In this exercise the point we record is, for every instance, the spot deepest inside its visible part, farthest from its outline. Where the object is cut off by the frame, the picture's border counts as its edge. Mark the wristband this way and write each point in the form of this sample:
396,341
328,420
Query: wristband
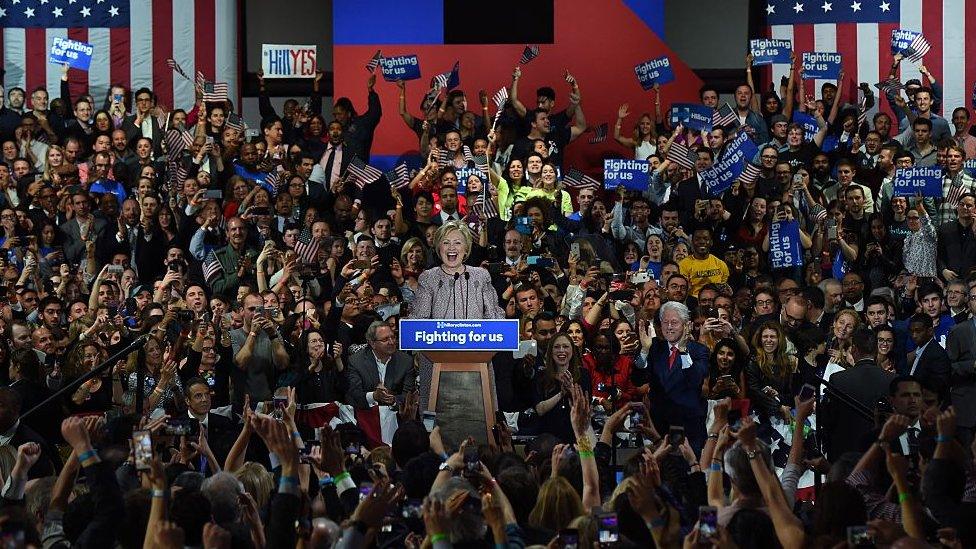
86,456
296,434
657,522
903,497
326,481
159,493
713,436
715,467
585,454
434,538
942,438
342,476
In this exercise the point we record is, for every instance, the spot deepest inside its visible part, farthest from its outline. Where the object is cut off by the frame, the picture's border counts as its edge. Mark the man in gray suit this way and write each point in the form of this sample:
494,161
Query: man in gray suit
379,373
80,228
961,346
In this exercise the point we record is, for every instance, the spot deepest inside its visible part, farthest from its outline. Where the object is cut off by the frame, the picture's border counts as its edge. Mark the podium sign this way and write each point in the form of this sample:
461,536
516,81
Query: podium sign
460,386
459,335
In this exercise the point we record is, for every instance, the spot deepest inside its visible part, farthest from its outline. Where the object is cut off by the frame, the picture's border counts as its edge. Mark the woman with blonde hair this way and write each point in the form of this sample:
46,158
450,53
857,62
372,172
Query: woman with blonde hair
770,373
406,271
557,506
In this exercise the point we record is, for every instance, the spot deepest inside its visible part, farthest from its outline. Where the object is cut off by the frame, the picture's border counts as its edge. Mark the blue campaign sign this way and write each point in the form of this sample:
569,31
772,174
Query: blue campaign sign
459,335
464,173
766,51
727,169
784,244
901,41
809,123
655,71
77,55
401,67
632,174
969,167
691,115
821,65
926,180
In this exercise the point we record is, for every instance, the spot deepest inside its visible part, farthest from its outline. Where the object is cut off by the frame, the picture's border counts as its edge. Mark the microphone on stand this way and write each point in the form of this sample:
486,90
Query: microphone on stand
457,276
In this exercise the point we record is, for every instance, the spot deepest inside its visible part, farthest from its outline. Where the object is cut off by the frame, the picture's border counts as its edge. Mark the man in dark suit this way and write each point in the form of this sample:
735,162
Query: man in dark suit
380,374
142,123
13,432
675,368
865,383
80,228
687,193
221,431
930,363
961,348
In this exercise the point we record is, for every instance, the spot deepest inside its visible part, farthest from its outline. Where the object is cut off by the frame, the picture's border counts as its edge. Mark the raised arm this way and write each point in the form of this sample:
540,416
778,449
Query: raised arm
622,113
754,104
580,412
789,97
402,104
513,93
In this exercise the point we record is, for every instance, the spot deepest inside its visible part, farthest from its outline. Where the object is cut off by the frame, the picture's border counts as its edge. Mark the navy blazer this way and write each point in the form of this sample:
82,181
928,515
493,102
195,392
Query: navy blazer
677,392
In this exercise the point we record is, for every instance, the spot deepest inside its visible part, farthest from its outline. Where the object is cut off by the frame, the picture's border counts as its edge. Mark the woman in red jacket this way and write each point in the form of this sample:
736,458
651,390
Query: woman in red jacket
610,362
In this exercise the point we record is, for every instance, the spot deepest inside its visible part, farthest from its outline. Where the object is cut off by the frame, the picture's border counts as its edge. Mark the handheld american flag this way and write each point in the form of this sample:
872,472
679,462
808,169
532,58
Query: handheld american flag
501,96
749,174
215,92
398,176
528,54
600,133
681,155
468,157
918,48
307,246
724,116
374,61
481,162
362,172
575,179
176,68
212,268
177,141
488,206
450,79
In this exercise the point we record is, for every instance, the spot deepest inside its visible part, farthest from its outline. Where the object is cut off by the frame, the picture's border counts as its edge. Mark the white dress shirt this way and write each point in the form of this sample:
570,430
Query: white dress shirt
381,367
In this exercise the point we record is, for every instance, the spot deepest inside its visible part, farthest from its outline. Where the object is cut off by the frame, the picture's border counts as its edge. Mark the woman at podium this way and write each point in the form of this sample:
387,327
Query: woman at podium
453,291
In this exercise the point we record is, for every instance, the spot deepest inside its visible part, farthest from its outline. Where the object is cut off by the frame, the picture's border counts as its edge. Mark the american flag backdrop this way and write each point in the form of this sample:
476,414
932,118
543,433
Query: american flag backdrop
860,30
132,41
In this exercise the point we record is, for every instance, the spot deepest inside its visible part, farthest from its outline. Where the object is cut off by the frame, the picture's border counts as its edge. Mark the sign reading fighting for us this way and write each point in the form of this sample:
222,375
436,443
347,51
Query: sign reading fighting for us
696,117
459,335
464,173
821,65
77,55
809,124
766,51
726,170
288,61
901,41
632,174
401,67
784,245
926,181
655,71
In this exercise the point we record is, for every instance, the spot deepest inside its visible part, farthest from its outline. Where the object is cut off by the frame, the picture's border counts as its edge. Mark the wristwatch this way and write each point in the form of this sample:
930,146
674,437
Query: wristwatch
446,467
751,454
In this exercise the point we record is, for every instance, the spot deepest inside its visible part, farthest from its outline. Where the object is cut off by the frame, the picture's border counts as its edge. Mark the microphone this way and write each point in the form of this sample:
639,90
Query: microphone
457,277
467,292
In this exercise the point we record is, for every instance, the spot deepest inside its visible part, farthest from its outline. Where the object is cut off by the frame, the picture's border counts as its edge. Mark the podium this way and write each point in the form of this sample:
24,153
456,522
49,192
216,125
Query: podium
460,384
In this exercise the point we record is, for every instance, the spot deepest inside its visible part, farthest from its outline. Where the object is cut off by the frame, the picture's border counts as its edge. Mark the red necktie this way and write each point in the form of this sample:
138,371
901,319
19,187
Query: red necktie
672,358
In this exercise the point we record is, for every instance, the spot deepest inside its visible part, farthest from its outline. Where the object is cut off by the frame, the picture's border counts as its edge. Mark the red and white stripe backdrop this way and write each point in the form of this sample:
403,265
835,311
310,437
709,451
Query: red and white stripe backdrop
199,34
866,47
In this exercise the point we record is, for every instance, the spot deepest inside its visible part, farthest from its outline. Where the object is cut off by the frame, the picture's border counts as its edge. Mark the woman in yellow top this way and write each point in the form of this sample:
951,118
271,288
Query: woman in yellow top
512,187
548,187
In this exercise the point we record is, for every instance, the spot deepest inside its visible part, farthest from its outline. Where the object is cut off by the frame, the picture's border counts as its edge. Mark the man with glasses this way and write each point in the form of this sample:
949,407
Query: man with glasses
961,347
956,294
142,123
380,374
853,286
956,250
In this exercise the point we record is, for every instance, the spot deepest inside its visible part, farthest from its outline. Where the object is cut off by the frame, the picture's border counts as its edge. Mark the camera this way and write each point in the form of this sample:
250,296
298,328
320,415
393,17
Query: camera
184,316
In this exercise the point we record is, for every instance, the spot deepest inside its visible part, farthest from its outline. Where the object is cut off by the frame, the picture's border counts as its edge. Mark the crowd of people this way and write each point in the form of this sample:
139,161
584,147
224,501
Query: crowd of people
188,301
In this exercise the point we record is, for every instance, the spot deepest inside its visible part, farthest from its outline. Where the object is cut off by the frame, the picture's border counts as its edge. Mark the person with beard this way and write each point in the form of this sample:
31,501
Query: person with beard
248,166
236,258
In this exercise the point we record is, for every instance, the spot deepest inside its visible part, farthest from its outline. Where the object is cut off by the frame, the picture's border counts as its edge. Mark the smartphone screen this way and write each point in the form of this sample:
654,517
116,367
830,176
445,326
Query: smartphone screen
569,538
676,436
807,391
364,489
429,419
608,531
708,521
142,449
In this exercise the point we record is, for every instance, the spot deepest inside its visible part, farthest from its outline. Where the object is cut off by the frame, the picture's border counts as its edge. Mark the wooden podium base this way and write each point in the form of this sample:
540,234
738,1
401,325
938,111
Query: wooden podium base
461,395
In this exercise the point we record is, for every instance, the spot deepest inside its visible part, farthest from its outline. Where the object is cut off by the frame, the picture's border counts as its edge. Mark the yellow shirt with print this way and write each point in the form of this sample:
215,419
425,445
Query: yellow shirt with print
703,271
